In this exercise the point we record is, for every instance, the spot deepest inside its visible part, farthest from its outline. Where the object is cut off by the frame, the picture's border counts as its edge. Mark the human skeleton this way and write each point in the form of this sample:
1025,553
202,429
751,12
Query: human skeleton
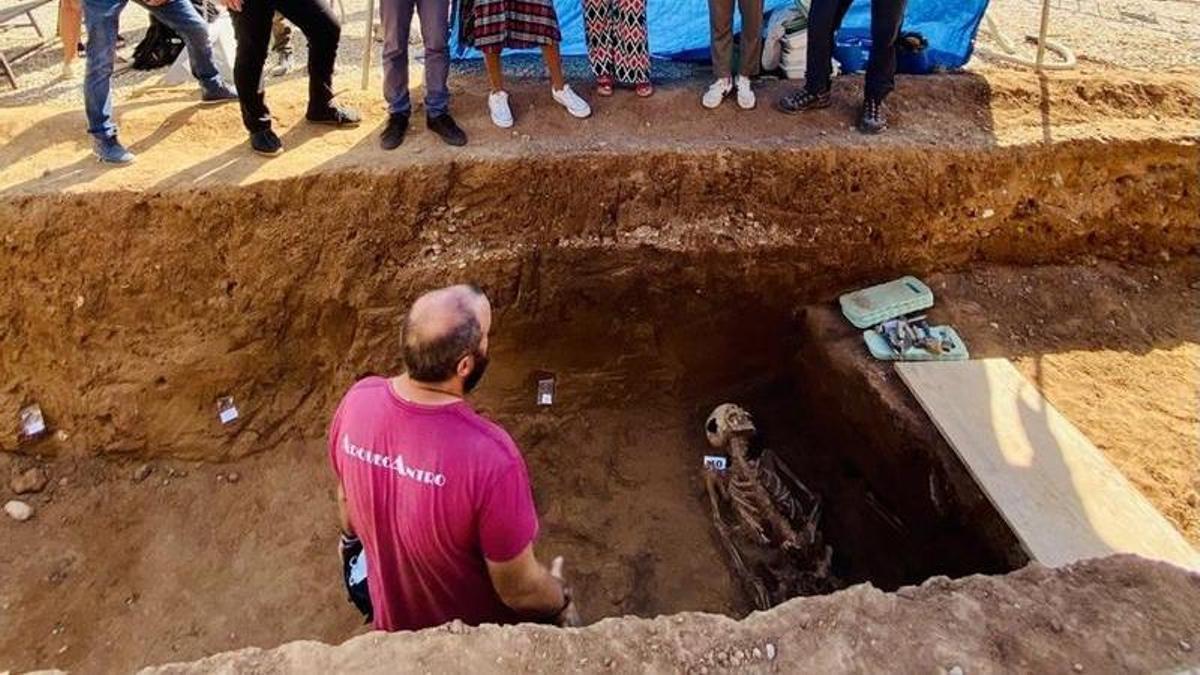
766,518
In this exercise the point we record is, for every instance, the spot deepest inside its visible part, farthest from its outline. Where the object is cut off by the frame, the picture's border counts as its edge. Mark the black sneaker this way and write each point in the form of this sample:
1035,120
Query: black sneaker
336,116
266,143
802,100
393,133
443,125
872,119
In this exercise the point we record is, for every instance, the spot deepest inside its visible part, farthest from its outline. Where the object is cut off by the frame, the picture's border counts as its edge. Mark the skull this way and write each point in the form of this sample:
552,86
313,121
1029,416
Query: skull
726,421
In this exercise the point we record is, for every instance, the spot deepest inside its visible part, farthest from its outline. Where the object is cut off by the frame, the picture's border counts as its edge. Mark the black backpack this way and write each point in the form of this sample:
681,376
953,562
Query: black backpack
161,46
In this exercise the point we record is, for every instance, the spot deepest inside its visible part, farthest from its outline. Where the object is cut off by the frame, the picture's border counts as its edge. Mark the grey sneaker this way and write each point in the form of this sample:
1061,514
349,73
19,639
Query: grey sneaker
218,93
110,151
283,65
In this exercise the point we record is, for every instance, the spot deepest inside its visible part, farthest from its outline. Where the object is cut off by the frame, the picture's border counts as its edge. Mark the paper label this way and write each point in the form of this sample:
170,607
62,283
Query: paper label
228,415
715,462
545,392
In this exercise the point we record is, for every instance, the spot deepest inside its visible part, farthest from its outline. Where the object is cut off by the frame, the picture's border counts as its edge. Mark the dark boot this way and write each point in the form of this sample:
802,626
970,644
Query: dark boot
803,100
443,125
266,143
393,133
872,119
337,116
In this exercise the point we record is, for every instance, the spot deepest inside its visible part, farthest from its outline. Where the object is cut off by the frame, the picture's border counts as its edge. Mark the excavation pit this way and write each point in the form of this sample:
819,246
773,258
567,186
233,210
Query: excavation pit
690,287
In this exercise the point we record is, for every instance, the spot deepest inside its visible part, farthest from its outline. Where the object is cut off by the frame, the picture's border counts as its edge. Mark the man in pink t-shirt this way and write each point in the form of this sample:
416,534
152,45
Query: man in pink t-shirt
438,495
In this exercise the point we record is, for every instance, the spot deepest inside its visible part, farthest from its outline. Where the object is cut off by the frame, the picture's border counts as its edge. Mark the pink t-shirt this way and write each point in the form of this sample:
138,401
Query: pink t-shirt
432,491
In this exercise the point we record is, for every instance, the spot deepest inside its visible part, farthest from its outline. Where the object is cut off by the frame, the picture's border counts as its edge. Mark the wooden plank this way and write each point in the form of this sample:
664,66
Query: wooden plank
1063,499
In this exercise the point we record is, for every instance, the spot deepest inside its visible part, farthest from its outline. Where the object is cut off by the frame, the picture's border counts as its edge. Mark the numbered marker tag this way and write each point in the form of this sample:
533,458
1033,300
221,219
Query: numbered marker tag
545,391
33,424
226,411
715,462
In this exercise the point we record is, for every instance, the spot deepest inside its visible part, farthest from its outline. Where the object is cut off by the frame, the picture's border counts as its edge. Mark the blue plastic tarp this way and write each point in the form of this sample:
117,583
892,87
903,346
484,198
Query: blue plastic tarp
679,28
948,25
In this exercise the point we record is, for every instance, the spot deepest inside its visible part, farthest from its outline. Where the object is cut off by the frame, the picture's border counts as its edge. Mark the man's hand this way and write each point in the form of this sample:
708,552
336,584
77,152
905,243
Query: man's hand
569,617
233,5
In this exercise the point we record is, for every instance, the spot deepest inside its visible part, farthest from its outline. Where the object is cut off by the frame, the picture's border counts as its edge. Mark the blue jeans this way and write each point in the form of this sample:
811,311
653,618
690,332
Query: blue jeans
101,17
396,16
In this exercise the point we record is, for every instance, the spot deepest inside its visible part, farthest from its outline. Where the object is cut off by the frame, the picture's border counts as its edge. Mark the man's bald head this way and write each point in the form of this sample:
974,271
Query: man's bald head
442,328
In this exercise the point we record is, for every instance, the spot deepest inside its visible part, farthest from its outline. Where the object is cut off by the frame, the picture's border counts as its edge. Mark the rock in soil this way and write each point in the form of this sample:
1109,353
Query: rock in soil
18,510
141,473
33,480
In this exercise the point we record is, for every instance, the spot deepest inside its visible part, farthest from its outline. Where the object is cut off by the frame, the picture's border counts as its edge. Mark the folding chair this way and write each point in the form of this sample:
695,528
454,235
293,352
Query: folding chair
7,15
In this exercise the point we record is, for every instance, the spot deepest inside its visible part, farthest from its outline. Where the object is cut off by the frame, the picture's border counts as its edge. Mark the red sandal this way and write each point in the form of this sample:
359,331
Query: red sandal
644,90
604,85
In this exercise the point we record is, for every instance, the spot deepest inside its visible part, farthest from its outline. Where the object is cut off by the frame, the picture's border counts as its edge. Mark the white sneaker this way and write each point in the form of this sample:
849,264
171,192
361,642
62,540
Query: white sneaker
574,104
717,91
498,105
745,95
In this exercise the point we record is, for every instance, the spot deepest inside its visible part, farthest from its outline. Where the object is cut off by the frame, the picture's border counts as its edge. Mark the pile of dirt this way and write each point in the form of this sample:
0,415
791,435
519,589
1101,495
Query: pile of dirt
1119,614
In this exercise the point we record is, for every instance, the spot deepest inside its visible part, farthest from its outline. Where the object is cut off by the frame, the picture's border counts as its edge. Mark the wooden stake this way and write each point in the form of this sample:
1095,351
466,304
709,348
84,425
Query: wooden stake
366,64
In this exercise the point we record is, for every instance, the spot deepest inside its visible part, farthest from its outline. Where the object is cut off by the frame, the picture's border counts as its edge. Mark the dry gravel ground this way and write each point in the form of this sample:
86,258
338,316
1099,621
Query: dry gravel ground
1154,35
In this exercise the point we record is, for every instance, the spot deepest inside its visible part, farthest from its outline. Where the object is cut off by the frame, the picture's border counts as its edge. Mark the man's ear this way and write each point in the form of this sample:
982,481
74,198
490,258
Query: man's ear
465,364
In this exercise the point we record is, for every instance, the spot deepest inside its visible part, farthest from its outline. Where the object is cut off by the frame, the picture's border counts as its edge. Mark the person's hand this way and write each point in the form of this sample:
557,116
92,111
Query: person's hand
233,5
155,3
569,616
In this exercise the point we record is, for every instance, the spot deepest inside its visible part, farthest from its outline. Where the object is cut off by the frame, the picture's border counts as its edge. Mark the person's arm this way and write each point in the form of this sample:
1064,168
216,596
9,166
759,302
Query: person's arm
526,586
344,512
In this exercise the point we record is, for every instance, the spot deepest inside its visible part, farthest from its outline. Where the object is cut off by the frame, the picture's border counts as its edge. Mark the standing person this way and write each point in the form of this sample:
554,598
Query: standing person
252,20
823,22
437,496
434,15
281,46
70,18
720,17
495,25
618,48
103,18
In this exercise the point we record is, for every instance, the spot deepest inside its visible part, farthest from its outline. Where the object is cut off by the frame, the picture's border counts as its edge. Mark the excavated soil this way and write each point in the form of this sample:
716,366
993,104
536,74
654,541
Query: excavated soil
676,279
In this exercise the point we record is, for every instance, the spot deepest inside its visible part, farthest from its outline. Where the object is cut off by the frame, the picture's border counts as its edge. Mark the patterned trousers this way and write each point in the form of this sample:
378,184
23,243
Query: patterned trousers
616,39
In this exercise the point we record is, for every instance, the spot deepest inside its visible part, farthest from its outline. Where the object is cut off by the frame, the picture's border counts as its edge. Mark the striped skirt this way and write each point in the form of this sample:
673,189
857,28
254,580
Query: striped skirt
509,24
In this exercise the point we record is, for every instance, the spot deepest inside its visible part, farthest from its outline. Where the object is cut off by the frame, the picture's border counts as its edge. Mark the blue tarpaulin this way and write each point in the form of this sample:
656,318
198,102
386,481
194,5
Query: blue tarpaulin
948,25
679,28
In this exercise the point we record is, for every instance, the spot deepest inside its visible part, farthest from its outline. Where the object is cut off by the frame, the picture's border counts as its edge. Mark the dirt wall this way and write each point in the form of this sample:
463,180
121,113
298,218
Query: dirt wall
1119,614
127,314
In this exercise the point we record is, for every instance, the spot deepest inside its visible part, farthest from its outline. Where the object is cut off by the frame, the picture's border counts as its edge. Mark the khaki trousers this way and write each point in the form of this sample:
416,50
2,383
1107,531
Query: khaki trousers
720,17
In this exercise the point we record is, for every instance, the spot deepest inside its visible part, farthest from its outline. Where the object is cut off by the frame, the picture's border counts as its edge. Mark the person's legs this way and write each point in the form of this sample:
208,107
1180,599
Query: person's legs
631,43
495,68
823,20
101,17
886,16
69,20
554,64
396,16
315,18
720,19
252,27
435,35
181,16
599,33
751,45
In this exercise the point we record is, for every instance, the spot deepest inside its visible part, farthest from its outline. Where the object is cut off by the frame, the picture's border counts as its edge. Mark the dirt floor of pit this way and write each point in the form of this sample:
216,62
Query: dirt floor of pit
191,564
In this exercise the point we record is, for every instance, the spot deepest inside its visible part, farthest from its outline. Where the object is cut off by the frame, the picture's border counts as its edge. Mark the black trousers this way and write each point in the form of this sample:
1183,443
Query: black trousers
252,26
825,18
